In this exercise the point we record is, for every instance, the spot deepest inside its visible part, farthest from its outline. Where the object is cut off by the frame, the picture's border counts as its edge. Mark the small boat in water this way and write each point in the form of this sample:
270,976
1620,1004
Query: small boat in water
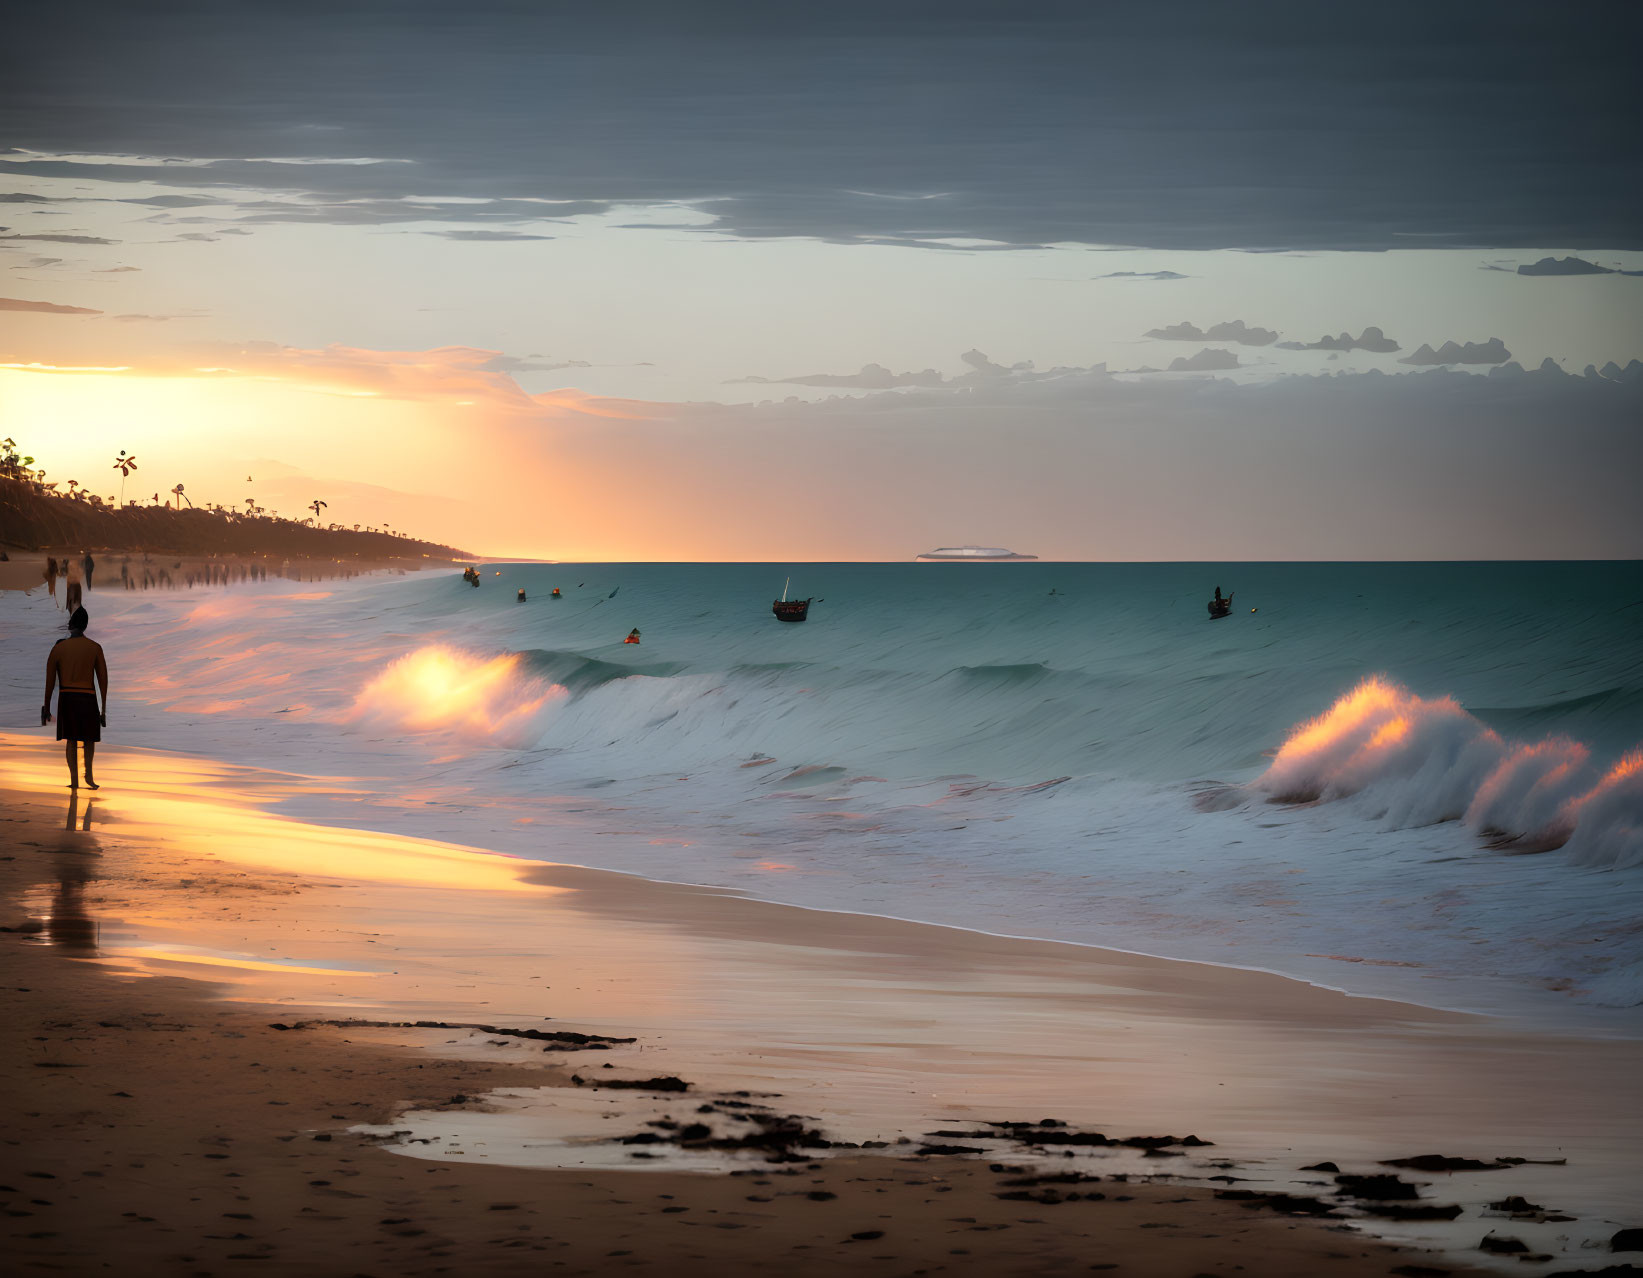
1219,607
790,609
973,554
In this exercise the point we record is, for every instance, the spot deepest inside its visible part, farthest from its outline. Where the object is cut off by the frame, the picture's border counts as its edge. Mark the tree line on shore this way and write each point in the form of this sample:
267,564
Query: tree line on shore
34,516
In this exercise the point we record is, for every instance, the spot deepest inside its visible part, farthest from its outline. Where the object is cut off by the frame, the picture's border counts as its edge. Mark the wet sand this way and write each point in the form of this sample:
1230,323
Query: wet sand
167,925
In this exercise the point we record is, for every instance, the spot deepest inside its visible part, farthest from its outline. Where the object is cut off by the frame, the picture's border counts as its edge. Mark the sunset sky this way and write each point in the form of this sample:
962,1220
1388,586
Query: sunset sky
733,281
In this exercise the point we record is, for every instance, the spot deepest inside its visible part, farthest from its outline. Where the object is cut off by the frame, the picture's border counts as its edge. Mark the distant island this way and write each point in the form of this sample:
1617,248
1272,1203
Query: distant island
35,517
973,553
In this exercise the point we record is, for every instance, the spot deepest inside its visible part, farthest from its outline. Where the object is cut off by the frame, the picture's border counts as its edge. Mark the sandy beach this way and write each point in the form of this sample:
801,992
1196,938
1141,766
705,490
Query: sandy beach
184,1098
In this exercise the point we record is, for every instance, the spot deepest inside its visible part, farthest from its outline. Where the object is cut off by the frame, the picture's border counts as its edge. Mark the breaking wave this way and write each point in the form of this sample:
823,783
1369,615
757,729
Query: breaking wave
442,689
1411,761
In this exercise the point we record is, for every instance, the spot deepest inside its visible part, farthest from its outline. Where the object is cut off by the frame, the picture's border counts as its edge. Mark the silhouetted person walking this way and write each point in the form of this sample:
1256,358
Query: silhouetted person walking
88,563
50,574
77,668
71,592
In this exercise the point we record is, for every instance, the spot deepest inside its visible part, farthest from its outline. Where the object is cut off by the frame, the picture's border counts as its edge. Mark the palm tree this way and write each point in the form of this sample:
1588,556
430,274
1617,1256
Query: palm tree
182,497
125,463
73,484
316,506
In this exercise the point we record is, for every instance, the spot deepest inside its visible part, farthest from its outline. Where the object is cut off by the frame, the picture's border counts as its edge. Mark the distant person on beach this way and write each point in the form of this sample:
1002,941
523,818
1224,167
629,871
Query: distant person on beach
71,592
89,564
50,574
73,666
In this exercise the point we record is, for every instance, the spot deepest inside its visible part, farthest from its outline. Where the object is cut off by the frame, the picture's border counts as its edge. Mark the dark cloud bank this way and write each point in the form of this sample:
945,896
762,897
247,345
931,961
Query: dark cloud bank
1184,126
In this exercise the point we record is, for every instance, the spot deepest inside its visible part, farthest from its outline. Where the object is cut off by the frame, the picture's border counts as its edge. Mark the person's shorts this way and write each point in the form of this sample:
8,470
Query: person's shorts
77,717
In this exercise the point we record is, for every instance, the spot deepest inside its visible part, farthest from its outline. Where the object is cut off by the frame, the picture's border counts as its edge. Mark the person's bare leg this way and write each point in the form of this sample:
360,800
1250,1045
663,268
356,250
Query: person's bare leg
73,766
91,749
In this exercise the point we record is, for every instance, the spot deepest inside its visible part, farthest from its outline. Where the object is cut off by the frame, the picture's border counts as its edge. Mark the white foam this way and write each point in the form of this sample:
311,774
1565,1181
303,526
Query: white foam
1412,761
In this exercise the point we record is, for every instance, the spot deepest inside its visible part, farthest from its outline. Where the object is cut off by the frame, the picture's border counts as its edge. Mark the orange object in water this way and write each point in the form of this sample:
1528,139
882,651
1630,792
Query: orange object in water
633,636
556,592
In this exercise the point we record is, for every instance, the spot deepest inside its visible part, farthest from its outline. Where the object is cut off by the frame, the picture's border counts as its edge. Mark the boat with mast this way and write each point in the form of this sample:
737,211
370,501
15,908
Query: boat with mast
790,609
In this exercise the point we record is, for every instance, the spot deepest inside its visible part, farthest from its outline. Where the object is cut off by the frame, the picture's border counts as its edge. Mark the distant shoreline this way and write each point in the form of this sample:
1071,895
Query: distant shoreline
25,570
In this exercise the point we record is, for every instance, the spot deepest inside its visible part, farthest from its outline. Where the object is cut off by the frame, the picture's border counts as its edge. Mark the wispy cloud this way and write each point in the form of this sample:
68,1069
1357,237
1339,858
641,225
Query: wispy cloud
453,375
60,239
44,308
487,236
159,319
23,155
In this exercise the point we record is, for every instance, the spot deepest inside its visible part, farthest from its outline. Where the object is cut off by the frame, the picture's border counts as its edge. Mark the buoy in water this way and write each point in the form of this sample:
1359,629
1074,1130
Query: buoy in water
521,594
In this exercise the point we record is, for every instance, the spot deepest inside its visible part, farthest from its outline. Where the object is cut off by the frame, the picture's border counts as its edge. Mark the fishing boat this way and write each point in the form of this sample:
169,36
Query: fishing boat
973,554
790,609
1219,607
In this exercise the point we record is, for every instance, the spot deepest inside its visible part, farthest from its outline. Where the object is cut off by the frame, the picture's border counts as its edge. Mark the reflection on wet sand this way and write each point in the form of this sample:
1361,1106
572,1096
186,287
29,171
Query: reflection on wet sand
68,926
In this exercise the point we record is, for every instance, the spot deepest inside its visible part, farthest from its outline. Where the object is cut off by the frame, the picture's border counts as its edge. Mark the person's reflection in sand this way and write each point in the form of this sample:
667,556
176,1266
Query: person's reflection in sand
69,927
